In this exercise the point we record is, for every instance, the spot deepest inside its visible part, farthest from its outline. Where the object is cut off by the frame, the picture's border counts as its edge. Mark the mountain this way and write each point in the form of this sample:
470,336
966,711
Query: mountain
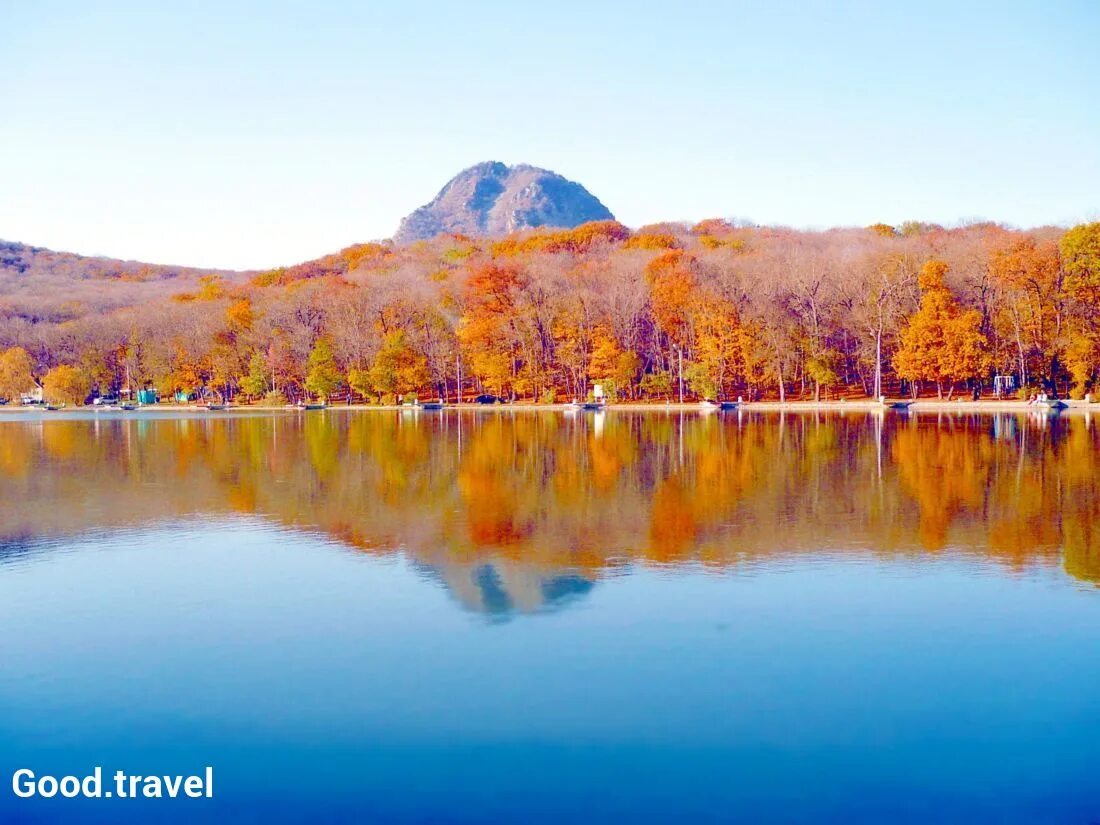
494,199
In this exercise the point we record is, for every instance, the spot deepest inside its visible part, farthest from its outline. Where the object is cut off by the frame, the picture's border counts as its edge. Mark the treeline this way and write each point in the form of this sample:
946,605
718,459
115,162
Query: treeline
728,310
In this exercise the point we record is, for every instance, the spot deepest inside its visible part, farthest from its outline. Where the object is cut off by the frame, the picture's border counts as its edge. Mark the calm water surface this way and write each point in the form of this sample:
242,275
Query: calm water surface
506,616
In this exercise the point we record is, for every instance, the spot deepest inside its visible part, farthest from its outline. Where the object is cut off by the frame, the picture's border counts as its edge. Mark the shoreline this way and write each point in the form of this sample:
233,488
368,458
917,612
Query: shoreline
860,405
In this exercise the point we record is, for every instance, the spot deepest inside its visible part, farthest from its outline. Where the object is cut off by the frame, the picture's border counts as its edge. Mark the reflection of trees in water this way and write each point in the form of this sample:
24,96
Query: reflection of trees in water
515,509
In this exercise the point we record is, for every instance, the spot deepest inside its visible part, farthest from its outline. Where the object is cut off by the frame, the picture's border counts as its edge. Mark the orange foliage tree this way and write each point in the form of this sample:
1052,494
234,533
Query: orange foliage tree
941,343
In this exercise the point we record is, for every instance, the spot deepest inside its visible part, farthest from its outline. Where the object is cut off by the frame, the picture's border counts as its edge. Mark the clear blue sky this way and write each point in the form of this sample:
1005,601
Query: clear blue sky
254,134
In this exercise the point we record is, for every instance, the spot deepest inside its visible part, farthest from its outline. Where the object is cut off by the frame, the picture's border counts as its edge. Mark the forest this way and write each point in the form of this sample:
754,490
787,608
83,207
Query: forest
725,309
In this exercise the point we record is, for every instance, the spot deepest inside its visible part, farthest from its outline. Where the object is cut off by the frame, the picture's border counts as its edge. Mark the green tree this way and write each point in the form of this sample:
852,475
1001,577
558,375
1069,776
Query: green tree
821,369
700,380
323,376
360,380
255,383
657,384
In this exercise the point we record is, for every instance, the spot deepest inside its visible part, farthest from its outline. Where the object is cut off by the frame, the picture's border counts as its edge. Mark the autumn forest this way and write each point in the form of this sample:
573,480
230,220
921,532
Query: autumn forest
540,316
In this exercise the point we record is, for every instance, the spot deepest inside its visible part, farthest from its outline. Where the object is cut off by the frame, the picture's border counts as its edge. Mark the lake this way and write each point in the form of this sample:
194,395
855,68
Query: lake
485,616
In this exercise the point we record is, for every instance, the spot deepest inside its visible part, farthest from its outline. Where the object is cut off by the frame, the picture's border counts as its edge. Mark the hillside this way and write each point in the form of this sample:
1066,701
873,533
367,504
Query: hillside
39,284
493,199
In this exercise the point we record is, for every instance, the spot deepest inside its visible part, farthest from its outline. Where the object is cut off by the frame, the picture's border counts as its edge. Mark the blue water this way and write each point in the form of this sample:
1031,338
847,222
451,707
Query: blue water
331,680
322,685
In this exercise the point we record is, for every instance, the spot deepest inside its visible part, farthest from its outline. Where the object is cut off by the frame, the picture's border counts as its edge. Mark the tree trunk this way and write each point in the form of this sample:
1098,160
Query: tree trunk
878,365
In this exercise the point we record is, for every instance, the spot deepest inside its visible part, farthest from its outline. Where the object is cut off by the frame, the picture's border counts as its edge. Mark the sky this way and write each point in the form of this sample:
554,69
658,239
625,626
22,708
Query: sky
250,135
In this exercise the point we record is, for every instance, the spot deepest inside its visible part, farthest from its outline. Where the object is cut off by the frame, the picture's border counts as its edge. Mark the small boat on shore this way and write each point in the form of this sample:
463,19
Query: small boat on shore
54,407
719,406
432,405
588,406
215,407
1051,405
901,406
304,407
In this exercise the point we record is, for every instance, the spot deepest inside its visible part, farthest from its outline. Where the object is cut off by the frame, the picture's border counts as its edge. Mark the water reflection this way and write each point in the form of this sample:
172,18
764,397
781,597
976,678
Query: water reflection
521,512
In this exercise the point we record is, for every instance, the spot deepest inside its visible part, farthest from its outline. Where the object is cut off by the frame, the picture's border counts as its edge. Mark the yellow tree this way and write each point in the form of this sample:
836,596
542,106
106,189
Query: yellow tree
1029,275
1080,251
188,373
65,384
574,345
15,373
397,368
718,352
625,376
941,343
603,363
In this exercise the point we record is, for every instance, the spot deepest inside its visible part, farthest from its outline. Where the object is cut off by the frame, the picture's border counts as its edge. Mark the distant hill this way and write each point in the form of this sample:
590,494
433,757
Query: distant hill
39,284
23,259
493,199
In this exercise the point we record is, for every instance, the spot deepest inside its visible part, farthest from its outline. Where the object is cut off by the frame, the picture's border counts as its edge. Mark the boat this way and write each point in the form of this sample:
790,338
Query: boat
727,406
588,406
304,406
54,407
1052,405
215,407
432,405
897,405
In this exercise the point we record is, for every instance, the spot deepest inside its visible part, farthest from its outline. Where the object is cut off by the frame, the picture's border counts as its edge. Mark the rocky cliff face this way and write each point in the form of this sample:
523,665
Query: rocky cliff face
495,199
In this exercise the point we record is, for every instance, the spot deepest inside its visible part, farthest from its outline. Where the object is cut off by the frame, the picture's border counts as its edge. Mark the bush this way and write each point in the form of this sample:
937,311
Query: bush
657,384
274,398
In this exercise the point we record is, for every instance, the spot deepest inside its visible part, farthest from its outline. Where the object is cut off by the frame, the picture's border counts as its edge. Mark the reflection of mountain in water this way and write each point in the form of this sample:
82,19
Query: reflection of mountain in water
520,512
504,589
